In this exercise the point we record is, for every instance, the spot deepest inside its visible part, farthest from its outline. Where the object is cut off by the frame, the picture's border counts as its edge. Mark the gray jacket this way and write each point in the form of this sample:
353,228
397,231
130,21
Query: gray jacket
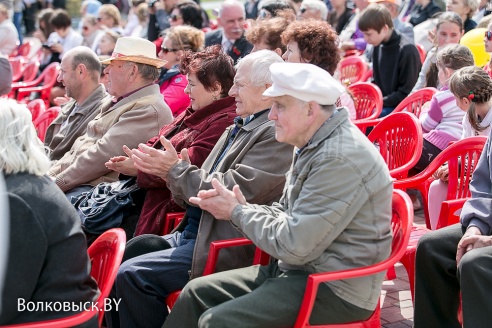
59,142
477,211
256,162
334,214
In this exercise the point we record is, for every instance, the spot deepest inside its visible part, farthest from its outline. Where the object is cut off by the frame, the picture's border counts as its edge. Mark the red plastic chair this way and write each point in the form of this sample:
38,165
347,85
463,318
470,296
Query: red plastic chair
260,258
368,100
49,76
352,70
399,139
36,107
401,227
422,52
172,220
17,65
462,157
412,104
367,76
22,51
450,212
105,254
31,69
42,122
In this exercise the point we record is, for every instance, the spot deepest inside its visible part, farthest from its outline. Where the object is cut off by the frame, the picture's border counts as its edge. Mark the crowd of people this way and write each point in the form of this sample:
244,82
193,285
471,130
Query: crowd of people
243,124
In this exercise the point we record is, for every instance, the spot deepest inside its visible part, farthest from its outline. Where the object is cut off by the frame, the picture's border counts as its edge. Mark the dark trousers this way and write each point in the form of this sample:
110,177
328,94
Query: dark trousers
256,296
429,152
438,282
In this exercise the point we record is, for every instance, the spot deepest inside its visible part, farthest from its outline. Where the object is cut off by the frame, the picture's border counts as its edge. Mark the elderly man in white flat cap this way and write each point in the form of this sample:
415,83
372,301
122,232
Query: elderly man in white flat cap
334,214
135,115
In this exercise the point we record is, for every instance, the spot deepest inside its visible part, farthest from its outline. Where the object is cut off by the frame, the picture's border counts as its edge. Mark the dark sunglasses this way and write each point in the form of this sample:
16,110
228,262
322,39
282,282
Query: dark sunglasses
167,50
174,18
85,28
99,19
302,10
488,35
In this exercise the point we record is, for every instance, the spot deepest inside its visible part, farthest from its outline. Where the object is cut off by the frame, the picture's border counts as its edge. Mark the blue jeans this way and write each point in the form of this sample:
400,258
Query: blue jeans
386,111
143,283
18,24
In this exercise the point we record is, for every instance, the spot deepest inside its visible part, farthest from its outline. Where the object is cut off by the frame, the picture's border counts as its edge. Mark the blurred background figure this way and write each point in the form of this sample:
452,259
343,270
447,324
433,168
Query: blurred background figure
314,9
107,42
132,19
88,7
90,32
177,41
266,34
44,25
5,75
109,17
466,9
340,15
9,37
270,8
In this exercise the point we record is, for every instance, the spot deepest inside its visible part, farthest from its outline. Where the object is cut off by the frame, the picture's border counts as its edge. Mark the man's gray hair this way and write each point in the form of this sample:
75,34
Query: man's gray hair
231,3
259,66
317,5
148,72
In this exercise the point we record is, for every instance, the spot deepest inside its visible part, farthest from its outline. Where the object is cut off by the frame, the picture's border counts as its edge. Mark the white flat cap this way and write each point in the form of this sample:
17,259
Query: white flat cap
305,82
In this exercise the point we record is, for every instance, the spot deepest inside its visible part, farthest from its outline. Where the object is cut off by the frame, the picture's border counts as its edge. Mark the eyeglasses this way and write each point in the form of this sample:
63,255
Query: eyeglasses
302,10
85,28
488,35
175,18
167,50
99,18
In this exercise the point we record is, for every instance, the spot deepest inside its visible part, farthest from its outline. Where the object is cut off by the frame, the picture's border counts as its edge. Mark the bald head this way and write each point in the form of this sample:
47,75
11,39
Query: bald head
88,58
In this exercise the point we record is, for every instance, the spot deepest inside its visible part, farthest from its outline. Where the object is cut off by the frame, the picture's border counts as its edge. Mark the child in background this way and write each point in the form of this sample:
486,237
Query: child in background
442,123
473,96
488,48
449,30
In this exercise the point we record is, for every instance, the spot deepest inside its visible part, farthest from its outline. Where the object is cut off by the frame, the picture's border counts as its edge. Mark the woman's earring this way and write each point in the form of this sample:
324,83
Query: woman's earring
215,97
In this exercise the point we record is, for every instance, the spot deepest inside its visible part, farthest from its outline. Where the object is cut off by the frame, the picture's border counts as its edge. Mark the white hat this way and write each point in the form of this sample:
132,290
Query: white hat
306,82
135,50
395,2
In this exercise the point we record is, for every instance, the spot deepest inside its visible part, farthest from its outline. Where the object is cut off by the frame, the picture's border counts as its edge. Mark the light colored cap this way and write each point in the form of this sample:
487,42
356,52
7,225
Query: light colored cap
305,82
137,50
395,2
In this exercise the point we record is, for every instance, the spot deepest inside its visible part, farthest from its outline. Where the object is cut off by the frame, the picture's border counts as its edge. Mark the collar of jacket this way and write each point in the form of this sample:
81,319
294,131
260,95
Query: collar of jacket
328,127
84,108
394,39
261,117
145,91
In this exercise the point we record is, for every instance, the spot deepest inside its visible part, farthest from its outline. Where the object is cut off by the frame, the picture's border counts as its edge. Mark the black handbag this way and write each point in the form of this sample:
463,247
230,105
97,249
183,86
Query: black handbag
104,206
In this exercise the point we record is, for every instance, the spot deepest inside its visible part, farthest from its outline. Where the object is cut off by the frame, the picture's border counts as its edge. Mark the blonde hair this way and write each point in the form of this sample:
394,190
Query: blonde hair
20,148
112,11
185,37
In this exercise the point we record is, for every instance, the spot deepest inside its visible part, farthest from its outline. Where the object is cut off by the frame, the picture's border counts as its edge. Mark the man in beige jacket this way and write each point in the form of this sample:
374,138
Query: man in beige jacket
80,71
137,113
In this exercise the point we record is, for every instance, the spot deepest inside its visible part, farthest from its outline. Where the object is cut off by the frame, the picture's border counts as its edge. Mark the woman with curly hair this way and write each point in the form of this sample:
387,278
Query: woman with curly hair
265,34
316,43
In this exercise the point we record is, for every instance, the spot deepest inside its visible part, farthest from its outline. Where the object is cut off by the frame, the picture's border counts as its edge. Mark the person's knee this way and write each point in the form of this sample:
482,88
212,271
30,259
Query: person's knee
471,263
427,245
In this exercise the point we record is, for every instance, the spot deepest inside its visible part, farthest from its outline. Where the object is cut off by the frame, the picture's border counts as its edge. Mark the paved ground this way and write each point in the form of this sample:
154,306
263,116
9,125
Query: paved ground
396,301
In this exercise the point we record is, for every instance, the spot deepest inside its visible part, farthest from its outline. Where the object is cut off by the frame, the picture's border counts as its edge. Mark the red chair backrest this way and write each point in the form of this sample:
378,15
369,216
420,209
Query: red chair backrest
36,107
352,69
413,103
42,122
17,65
422,52
105,255
24,50
399,139
31,69
368,100
401,225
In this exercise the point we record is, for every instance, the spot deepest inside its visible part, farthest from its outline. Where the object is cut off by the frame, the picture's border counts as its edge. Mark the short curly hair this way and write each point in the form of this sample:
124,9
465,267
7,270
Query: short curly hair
210,66
269,31
317,41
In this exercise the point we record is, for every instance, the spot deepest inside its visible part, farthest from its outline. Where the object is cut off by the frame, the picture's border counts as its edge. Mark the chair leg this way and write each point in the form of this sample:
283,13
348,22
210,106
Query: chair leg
408,261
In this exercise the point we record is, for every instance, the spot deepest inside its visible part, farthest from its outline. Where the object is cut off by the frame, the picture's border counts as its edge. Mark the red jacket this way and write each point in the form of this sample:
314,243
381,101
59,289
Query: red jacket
174,95
198,132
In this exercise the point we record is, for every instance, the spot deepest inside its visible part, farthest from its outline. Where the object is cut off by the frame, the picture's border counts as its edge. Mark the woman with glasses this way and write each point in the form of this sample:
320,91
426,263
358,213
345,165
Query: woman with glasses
172,83
90,31
187,13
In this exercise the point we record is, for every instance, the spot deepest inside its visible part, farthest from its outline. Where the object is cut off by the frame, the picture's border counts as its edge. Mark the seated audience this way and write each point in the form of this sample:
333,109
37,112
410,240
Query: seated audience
187,13
315,43
90,32
177,42
271,8
231,32
64,36
109,17
466,9
422,11
351,38
488,48
313,9
136,114
306,236
9,37
88,8
449,30
476,104
141,29
47,254
266,34
132,19
79,74
340,15
442,123
159,14
396,62
210,75
241,156
453,263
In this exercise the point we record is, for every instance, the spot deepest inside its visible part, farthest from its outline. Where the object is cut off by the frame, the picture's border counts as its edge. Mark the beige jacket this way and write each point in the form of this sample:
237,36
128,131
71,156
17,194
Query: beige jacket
133,120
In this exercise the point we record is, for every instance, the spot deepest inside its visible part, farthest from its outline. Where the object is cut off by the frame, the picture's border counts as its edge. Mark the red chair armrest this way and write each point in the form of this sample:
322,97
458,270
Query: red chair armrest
216,246
448,214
